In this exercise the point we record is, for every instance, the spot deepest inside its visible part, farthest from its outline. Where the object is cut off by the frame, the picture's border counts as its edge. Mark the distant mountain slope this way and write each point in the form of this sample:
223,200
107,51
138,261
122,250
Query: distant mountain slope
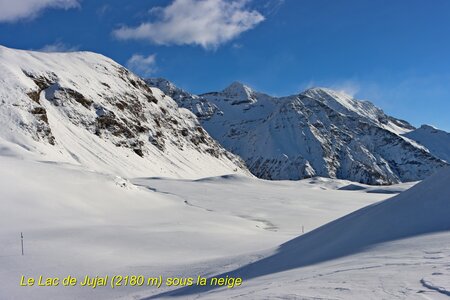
202,108
86,109
319,132
437,141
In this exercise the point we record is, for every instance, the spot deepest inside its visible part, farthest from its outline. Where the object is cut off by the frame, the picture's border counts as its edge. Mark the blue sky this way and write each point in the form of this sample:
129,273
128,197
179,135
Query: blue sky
394,53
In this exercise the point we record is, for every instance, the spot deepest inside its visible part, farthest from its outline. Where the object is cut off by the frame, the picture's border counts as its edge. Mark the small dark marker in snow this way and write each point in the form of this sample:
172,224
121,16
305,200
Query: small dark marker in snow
21,241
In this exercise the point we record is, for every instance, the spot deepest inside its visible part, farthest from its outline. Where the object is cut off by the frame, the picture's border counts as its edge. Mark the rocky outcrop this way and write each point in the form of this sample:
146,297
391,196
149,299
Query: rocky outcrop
66,100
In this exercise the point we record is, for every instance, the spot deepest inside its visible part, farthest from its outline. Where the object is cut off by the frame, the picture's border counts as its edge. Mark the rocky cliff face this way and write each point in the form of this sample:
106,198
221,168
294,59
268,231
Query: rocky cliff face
319,132
84,108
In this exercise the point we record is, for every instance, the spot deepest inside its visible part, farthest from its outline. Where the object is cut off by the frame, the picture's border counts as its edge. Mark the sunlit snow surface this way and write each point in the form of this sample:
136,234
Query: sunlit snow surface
77,222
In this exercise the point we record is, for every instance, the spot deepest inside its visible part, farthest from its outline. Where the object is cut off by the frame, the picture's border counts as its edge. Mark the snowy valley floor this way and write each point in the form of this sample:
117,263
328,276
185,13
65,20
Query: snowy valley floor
77,222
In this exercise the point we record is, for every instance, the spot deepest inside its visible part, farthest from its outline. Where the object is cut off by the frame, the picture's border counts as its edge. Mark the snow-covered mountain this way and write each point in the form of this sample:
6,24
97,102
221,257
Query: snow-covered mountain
319,132
83,108
437,141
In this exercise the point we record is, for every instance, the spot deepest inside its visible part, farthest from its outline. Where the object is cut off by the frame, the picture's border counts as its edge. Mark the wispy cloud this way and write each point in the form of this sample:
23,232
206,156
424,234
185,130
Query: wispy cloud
207,23
58,47
12,11
271,7
104,9
142,65
348,86
237,46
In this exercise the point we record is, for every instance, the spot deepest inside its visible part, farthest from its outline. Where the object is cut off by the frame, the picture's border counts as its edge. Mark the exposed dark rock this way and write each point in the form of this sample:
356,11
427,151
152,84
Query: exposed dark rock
77,97
41,113
139,152
184,132
34,95
42,82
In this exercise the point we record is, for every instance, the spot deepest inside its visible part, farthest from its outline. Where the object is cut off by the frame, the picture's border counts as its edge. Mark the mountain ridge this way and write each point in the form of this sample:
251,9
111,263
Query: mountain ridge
85,109
319,132
435,140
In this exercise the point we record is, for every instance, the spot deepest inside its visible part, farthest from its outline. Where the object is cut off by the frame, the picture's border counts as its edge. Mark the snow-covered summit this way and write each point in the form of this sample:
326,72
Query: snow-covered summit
346,104
429,128
319,132
239,93
85,109
435,140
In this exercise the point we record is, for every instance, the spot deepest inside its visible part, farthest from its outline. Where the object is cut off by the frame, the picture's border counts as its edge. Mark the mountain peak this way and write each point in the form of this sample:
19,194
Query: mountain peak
239,93
163,84
428,127
437,141
237,84
238,89
325,92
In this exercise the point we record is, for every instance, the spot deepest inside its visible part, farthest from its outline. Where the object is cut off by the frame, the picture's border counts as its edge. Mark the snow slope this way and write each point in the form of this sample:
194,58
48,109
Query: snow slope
86,109
319,132
425,208
420,211
414,268
435,140
79,222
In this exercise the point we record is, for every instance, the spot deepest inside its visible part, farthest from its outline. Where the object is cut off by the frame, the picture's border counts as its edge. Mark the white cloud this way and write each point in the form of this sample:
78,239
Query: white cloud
207,23
11,11
58,47
142,65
